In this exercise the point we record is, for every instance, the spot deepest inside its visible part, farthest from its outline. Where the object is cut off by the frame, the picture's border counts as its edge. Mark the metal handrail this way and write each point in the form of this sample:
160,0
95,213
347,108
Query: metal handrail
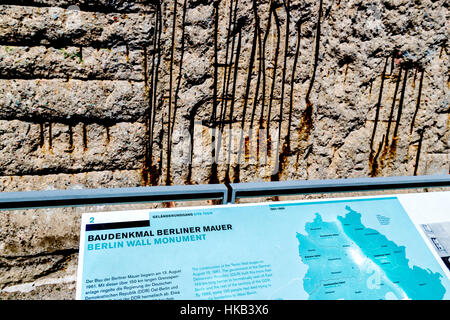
84,197
226,193
291,187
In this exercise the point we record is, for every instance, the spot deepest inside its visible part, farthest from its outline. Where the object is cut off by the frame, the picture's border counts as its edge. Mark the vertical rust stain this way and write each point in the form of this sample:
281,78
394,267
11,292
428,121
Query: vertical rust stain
304,132
258,79
247,148
191,144
192,115
236,174
414,78
80,54
419,148
150,173
378,105
246,97
71,147
392,148
273,7
268,146
418,102
400,104
85,138
145,167
286,151
306,123
108,136
373,166
41,134
345,72
238,29
397,85
213,178
285,148
169,114
274,74
263,61
50,137
227,70
392,64
316,56
145,68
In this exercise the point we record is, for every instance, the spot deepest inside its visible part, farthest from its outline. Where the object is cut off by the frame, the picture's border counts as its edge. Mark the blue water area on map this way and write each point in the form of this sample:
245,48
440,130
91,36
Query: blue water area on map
347,260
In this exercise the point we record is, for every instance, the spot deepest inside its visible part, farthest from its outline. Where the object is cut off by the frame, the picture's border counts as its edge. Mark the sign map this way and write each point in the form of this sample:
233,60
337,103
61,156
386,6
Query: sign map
366,248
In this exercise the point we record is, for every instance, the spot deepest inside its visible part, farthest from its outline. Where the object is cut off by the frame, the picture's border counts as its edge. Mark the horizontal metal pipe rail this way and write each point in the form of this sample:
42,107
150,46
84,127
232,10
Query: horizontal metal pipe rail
85,197
279,188
226,193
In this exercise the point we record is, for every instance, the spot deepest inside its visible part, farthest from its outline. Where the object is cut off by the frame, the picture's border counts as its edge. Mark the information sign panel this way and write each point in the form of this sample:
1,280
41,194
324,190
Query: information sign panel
346,248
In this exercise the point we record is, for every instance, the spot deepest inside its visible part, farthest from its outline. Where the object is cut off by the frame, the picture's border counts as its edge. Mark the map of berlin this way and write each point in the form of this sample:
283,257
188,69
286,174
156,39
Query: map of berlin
347,260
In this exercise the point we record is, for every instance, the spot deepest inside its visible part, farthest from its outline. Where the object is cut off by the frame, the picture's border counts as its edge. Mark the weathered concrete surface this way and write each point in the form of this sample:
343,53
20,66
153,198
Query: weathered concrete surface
56,26
89,180
40,62
68,101
31,148
131,93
